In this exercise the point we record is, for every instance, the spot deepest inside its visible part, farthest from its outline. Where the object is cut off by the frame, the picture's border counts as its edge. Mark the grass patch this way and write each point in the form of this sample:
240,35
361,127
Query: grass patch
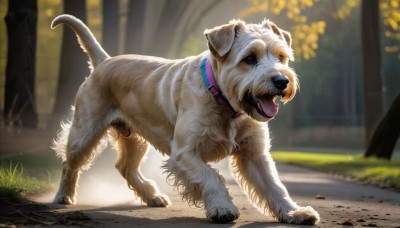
14,183
24,174
371,170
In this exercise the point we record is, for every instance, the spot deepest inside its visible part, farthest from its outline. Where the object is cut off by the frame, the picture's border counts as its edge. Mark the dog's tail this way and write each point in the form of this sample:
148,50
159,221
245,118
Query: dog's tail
85,37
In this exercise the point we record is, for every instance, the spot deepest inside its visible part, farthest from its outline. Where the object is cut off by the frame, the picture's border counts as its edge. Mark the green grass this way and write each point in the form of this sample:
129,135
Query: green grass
371,170
14,183
23,174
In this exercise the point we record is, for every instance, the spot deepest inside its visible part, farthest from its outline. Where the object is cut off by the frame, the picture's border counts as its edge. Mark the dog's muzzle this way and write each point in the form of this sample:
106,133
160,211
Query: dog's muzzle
265,104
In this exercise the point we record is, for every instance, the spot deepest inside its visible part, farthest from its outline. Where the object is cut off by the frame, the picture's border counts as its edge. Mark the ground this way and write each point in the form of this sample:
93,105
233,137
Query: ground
105,201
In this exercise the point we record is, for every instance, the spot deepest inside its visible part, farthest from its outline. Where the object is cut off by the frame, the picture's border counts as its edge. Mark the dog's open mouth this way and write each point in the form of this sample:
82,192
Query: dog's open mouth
265,105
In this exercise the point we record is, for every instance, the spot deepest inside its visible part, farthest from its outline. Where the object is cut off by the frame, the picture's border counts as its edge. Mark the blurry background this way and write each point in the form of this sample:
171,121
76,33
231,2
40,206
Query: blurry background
329,111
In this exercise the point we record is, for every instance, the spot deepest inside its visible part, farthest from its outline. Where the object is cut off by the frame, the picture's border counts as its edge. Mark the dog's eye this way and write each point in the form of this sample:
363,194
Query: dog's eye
251,60
281,58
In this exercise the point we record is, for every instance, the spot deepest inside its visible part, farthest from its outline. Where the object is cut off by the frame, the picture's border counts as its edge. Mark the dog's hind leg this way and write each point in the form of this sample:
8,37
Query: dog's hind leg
257,175
76,145
131,151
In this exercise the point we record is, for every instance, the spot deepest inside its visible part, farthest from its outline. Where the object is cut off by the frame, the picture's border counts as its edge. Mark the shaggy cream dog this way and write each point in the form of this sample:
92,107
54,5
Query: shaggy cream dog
196,110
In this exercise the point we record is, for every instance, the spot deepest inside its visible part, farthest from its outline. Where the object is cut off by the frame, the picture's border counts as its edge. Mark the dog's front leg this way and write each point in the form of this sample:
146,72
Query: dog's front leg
200,182
257,175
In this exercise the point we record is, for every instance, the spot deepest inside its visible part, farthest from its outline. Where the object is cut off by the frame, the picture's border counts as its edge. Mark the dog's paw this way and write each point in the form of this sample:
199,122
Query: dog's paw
226,218
63,199
159,201
302,216
223,214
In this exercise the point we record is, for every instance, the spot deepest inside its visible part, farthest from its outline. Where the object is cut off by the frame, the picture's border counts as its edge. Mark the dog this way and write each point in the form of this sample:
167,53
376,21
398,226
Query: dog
196,110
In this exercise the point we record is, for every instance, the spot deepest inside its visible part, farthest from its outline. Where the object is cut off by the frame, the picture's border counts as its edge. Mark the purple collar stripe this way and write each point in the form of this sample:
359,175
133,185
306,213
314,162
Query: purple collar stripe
209,73
209,81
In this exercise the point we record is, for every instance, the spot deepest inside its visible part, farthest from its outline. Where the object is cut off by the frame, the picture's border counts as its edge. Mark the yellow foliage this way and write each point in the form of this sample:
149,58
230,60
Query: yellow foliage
93,3
391,13
392,49
305,35
345,9
392,35
306,38
391,18
52,2
293,7
256,6
95,17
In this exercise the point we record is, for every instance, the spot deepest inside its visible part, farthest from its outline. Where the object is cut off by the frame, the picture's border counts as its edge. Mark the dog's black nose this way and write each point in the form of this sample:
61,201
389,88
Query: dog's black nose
280,82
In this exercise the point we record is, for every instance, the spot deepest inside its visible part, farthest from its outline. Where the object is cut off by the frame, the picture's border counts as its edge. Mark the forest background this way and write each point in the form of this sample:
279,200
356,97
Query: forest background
328,112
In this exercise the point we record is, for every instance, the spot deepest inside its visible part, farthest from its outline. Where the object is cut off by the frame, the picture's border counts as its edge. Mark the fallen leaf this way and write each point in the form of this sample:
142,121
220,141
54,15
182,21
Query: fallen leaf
320,197
349,222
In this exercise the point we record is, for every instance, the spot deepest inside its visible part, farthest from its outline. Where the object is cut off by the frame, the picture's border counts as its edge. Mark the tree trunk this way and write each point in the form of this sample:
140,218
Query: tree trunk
386,134
135,27
372,61
73,63
110,26
21,20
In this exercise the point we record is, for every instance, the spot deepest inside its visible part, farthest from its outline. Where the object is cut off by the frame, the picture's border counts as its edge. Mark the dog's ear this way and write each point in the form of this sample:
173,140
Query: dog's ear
284,35
220,39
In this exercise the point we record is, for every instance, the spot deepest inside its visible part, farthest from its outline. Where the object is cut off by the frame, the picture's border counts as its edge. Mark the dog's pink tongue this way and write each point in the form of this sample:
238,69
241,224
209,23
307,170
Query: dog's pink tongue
269,107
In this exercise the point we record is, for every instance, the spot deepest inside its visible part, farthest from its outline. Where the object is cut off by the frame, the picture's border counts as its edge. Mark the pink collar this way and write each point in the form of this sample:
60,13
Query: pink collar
209,81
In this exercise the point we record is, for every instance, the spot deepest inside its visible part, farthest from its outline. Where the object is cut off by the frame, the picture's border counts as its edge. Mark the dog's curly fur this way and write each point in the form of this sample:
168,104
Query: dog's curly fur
140,99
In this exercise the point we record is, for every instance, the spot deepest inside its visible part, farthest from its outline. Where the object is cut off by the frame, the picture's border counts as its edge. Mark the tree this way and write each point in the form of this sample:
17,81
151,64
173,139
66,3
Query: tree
381,136
387,132
110,26
73,69
385,136
21,20
135,27
372,62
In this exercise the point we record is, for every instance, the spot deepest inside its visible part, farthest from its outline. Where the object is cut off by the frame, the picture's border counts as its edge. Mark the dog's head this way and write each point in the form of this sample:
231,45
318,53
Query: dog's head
250,63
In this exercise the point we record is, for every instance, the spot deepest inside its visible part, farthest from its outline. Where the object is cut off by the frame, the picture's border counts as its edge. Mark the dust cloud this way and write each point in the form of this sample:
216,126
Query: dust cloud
102,185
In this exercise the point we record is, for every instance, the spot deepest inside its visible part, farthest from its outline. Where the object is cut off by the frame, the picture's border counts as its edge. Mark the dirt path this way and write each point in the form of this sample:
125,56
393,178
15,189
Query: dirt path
103,197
